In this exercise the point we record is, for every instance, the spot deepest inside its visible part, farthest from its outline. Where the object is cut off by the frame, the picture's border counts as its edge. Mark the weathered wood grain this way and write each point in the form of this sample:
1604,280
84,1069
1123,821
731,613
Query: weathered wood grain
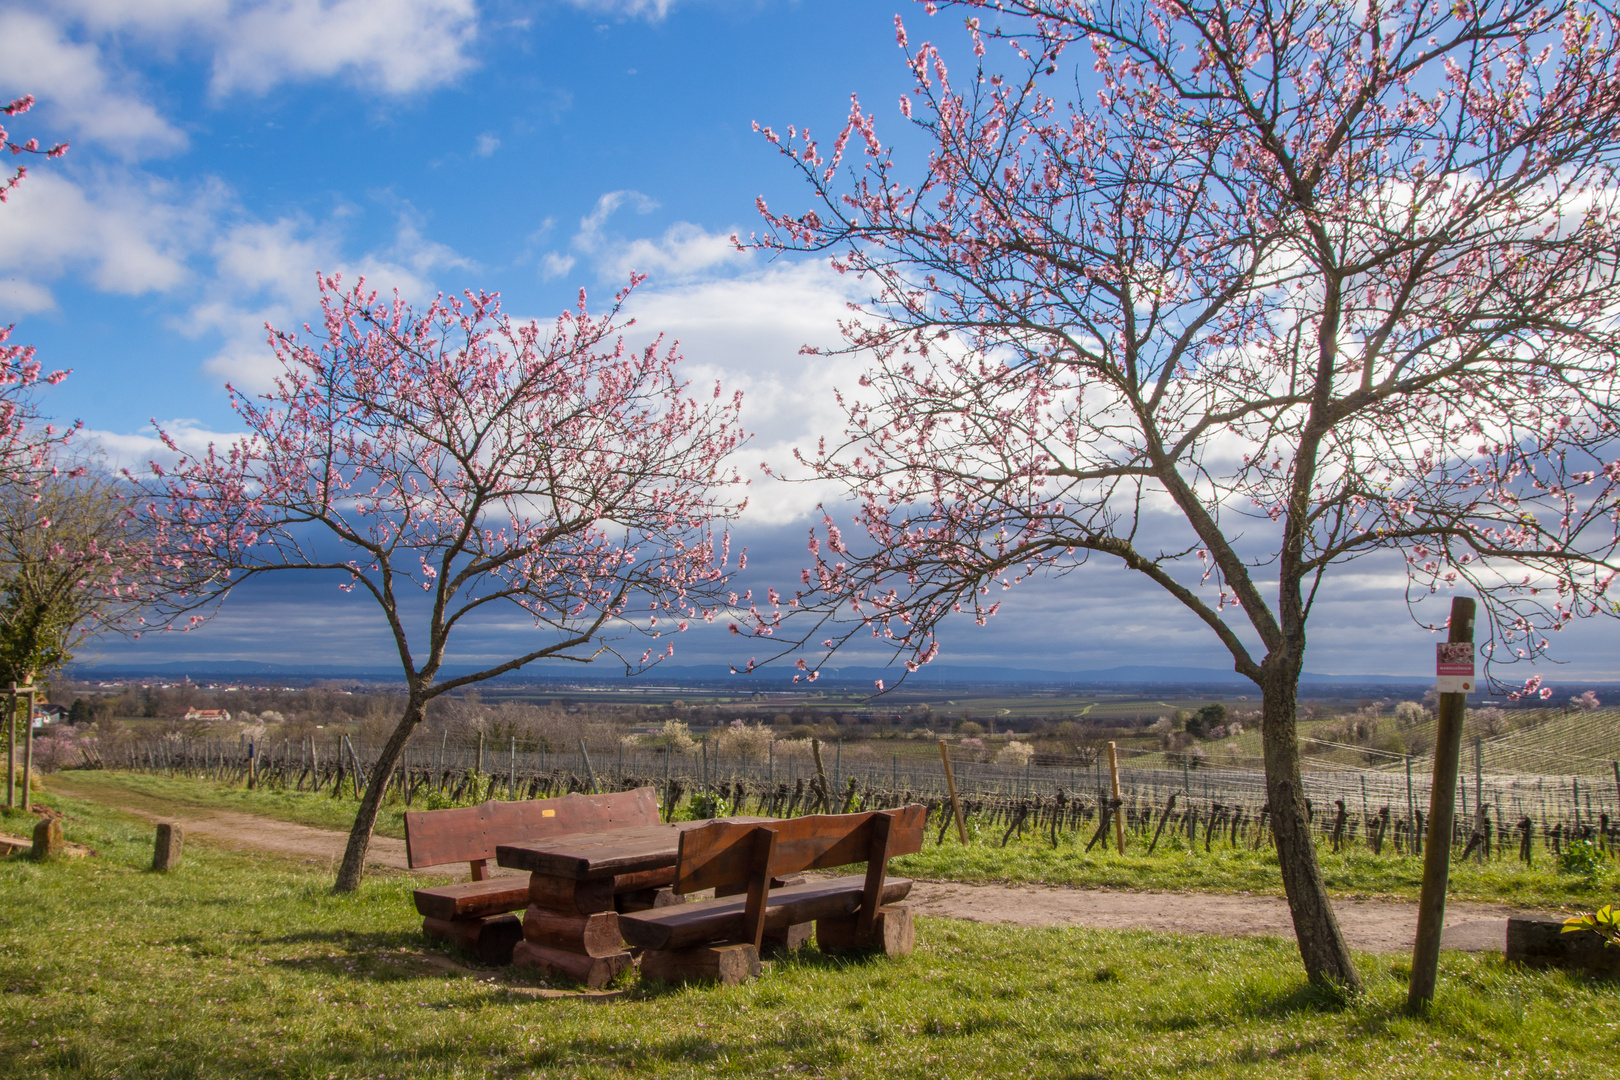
893,931
473,899
727,963
594,971
490,939
596,934
723,919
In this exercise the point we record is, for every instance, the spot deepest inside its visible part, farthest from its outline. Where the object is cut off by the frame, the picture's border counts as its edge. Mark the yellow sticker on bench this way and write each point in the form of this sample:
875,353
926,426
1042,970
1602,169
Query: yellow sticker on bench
548,813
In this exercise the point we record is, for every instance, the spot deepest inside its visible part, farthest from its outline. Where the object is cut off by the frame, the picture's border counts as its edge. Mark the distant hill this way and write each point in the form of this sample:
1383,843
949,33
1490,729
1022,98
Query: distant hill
767,678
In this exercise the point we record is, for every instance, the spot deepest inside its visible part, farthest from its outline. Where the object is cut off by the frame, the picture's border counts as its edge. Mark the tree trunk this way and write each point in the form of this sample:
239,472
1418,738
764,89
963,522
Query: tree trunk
1321,945
354,855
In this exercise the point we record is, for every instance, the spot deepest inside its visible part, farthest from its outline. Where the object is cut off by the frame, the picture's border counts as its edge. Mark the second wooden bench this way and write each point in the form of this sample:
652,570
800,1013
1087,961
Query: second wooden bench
720,938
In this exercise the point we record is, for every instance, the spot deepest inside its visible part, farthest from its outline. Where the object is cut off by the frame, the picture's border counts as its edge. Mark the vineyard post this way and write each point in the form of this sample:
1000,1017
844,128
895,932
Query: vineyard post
28,743
1119,816
950,784
1442,814
1411,803
10,752
589,771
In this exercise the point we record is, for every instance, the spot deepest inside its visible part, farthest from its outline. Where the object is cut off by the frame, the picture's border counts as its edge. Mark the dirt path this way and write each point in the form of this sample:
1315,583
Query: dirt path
1373,925
1378,926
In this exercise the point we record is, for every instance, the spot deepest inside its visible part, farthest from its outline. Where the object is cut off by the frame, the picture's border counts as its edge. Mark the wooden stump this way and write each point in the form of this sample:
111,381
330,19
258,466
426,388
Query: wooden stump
1541,942
568,895
48,842
727,963
788,939
594,971
893,931
166,853
647,899
596,934
490,939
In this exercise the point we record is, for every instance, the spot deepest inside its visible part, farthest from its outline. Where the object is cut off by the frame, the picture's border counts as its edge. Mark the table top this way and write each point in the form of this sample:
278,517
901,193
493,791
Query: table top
586,856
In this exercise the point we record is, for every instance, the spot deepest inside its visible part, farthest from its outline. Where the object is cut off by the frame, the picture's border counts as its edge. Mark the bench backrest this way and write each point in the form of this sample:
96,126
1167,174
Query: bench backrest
724,853
470,833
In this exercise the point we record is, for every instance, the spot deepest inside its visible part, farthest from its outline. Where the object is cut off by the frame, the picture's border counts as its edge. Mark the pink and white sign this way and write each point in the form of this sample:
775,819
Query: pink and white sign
1454,667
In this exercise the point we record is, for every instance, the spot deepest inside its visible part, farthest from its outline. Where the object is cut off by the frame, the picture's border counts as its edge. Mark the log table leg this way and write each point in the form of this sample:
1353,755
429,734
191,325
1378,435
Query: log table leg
571,929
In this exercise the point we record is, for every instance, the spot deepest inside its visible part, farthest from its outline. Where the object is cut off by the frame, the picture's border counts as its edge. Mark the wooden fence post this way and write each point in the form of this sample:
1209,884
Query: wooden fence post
950,784
1442,815
589,771
10,752
166,851
1119,817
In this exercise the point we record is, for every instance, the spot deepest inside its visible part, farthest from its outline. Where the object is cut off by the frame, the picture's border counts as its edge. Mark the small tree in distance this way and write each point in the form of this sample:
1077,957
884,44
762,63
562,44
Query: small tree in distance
449,463
1282,285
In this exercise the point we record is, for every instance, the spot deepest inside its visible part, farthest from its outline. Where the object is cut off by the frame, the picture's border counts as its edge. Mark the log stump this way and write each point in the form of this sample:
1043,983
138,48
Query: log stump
48,841
1541,942
490,939
893,931
594,971
166,852
727,963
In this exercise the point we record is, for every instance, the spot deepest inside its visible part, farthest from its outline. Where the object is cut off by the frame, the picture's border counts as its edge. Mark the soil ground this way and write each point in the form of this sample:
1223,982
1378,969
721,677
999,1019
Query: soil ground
1371,925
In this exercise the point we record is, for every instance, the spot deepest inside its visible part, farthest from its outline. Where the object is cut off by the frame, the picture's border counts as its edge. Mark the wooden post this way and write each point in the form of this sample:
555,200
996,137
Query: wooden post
1442,816
166,851
28,744
1119,817
1411,803
10,752
588,769
48,843
950,783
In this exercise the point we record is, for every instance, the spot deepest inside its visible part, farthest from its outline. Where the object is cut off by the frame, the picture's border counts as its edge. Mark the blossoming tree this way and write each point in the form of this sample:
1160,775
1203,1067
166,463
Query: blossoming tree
450,462
1283,284
26,445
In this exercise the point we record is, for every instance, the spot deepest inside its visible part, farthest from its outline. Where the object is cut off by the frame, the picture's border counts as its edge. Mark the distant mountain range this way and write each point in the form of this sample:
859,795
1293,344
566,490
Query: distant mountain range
763,679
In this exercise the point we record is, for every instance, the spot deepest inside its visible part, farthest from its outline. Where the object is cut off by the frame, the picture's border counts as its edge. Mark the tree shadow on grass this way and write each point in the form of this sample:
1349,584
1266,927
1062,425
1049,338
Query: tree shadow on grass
1304,997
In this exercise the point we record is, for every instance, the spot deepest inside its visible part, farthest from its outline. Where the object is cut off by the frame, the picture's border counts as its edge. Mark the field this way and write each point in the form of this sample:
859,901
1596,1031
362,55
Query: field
246,966
1175,866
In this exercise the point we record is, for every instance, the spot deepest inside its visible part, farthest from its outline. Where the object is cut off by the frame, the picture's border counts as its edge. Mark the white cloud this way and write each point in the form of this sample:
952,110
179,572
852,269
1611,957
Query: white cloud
627,9
130,232
747,332
396,46
136,451
392,46
554,265
684,251
265,273
72,80
487,144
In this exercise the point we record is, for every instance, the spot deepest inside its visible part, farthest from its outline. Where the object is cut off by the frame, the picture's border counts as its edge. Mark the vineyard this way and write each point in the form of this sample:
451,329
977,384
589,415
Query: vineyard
1505,807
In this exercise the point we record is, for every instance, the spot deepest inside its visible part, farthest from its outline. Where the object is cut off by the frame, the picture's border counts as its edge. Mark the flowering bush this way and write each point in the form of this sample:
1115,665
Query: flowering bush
1015,753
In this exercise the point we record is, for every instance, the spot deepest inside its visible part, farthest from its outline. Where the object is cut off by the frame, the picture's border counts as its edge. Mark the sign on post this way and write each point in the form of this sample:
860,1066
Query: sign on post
1454,667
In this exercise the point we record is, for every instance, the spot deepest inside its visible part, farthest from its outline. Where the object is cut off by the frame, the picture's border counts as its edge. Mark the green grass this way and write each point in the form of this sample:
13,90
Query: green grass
246,966
1356,873
142,790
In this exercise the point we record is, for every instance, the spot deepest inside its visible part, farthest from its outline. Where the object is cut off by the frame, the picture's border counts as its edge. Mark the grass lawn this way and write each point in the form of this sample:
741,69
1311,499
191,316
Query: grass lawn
245,966
1356,873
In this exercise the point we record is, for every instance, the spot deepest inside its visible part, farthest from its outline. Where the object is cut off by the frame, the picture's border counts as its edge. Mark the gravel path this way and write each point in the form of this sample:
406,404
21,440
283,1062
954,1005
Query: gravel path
1379,926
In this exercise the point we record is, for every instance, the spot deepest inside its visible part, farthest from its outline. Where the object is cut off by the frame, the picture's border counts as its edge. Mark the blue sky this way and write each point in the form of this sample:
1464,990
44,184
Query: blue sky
224,150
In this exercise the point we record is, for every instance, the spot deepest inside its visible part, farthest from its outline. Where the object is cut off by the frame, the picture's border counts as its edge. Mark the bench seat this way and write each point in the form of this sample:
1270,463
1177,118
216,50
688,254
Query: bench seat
722,919
474,899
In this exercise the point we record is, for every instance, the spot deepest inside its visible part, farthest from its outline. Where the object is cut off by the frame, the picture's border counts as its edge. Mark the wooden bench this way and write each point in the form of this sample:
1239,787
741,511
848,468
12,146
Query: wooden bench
720,938
476,914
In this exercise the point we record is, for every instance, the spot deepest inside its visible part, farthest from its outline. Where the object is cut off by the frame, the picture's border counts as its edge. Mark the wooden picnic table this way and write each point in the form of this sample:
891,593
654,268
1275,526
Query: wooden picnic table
588,856
576,883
